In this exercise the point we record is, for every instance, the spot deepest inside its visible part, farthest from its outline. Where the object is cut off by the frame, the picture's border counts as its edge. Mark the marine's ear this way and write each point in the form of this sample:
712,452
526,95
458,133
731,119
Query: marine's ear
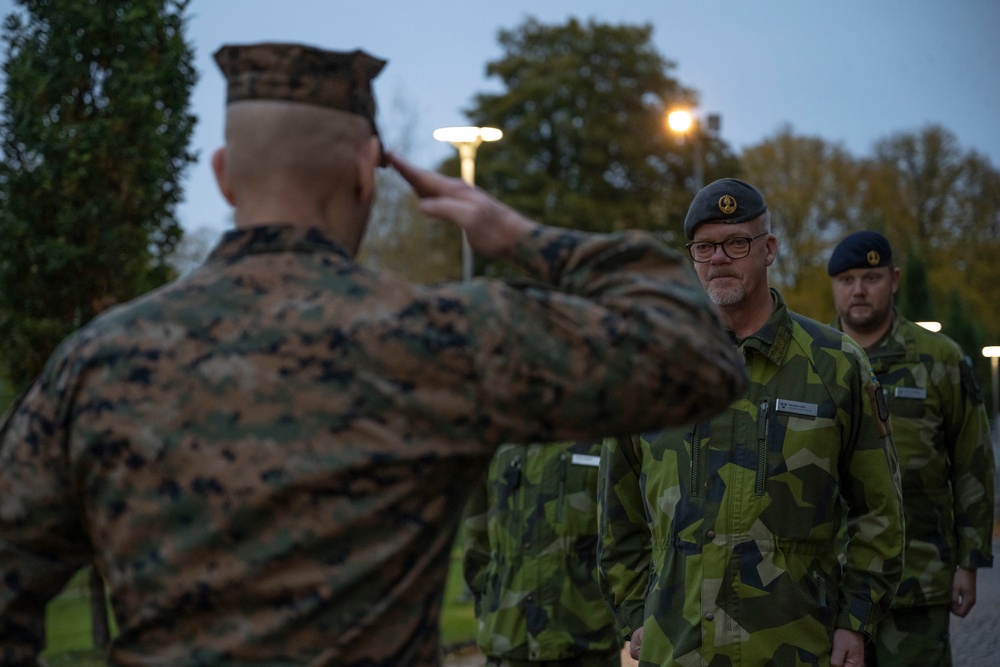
222,175
367,157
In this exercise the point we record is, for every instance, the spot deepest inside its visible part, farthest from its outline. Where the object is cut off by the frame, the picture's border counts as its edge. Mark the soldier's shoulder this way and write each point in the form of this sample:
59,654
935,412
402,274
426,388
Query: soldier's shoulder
822,335
935,343
835,356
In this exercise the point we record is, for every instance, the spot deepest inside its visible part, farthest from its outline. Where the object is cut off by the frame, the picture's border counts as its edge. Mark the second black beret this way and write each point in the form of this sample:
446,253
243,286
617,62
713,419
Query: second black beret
860,250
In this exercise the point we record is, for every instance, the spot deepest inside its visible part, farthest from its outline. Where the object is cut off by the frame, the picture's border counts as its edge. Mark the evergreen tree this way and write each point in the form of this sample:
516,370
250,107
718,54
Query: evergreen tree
94,129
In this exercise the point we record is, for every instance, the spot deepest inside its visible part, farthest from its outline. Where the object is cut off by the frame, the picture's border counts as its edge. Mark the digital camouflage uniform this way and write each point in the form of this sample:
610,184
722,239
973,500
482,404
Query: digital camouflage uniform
725,552
530,557
946,467
267,458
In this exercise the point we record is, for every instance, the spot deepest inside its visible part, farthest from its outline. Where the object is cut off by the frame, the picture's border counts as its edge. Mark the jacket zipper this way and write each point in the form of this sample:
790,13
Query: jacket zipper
562,486
762,424
515,498
695,460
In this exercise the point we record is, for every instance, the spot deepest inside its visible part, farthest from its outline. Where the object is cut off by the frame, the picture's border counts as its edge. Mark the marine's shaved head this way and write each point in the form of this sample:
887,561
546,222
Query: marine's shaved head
299,164
273,144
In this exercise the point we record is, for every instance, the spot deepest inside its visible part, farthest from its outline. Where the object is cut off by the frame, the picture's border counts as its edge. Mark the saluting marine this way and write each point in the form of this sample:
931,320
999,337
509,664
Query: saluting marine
945,454
719,539
266,458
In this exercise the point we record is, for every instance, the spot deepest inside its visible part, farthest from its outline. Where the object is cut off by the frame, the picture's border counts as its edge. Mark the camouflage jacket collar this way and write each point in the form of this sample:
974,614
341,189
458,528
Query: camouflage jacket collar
277,237
898,343
771,339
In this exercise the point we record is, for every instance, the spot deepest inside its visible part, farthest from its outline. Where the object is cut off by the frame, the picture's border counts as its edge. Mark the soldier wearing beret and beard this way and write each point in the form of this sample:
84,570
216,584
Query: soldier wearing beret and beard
945,454
720,540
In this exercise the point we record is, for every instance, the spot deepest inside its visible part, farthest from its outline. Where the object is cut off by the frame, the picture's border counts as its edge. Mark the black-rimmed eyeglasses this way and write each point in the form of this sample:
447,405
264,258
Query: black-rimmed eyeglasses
737,247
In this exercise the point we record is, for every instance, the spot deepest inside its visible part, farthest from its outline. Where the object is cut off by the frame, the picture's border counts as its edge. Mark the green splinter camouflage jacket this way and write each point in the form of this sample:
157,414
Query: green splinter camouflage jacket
726,550
946,461
531,555
264,458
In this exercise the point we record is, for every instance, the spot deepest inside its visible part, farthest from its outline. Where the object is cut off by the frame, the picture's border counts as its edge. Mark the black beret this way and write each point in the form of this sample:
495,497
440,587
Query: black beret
860,250
728,200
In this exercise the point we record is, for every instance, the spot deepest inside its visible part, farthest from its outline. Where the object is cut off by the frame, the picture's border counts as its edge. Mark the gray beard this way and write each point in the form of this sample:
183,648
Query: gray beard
722,296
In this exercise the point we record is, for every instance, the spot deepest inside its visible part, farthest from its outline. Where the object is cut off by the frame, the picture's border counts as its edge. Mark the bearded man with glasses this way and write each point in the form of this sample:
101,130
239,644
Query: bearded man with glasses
719,540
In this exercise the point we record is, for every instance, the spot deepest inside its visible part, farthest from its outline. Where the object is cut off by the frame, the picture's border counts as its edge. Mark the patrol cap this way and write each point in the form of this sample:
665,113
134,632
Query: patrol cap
298,73
727,200
860,250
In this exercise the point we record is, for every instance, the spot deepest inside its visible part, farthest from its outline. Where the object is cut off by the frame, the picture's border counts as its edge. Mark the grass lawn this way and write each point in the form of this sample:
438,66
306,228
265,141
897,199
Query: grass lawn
68,621
67,628
458,616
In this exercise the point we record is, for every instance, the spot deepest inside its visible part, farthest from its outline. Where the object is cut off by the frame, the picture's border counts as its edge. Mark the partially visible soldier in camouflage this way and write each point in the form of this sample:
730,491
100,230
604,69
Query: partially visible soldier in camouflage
267,458
945,454
530,559
719,540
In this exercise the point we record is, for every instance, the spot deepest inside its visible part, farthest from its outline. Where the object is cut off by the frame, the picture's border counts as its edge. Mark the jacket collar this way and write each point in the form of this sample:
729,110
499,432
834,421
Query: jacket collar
277,237
899,342
771,339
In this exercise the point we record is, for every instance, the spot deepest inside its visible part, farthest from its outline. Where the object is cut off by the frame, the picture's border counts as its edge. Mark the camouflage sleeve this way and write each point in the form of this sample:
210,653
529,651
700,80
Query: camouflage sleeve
475,540
643,328
43,543
872,491
623,551
972,470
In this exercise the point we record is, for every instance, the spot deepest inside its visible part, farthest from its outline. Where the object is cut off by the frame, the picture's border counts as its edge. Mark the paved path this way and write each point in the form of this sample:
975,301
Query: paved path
975,639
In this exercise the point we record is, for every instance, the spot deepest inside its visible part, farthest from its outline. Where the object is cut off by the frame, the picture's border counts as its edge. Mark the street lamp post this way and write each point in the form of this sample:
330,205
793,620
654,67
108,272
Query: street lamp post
466,140
993,352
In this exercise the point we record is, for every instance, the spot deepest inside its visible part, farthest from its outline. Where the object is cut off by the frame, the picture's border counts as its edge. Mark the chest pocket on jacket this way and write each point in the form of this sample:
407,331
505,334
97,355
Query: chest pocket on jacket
576,502
907,402
783,426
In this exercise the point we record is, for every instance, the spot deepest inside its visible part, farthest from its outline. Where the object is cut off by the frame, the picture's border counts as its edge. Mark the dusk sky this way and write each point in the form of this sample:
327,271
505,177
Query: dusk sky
851,72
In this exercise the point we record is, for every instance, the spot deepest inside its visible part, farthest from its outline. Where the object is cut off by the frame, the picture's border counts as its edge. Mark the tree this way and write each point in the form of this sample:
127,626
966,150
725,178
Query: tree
399,237
920,186
94,134
812,189
914,297
938,205
584,143
941,204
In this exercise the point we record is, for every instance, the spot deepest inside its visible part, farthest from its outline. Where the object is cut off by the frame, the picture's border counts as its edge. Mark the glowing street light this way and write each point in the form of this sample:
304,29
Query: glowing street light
466,140
680,121
993,352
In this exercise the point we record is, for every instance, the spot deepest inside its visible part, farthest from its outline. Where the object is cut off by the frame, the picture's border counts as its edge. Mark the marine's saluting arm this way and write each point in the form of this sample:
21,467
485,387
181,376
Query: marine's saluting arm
612,334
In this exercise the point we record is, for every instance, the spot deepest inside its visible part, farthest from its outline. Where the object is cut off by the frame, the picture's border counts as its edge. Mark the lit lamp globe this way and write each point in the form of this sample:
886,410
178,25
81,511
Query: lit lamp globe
467,134
680,121
466,140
